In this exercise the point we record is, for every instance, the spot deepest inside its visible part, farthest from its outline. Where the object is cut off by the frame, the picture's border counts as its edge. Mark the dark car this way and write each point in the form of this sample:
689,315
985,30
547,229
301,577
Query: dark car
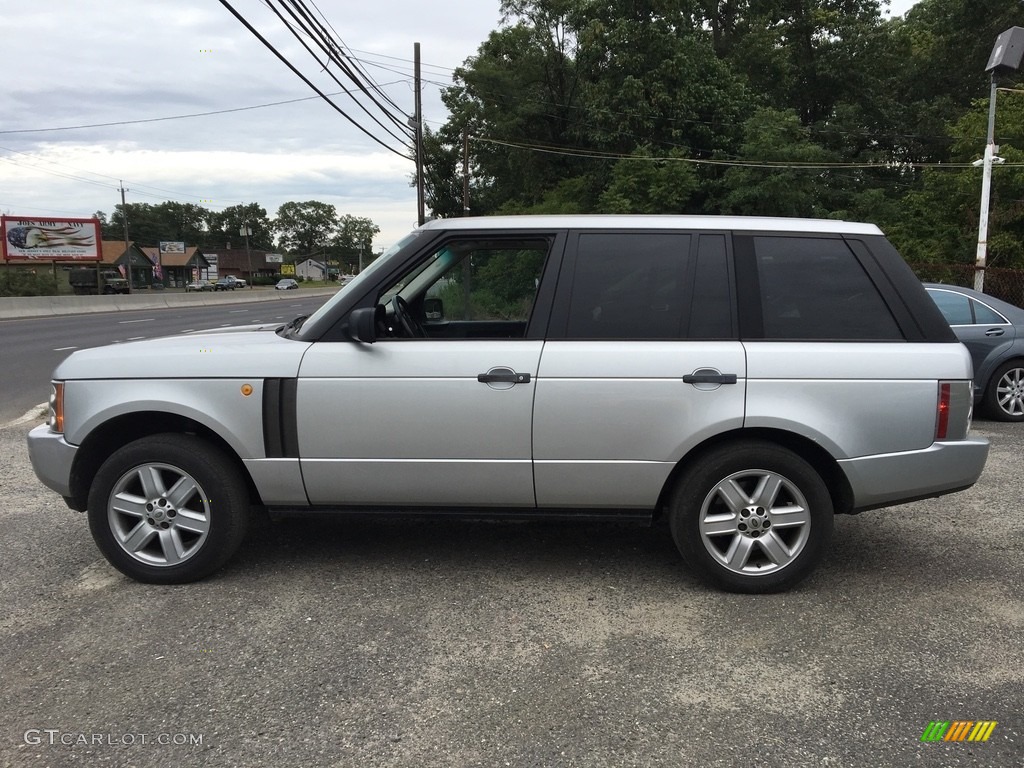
224,284
993,331
287,284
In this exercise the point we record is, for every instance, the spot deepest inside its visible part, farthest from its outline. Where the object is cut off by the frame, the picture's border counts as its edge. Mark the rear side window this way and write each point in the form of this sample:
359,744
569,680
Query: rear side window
815,288
629,286
955,307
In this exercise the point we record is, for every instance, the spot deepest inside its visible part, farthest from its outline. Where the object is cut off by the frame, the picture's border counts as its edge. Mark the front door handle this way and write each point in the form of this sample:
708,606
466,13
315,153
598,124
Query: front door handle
503,376
706,377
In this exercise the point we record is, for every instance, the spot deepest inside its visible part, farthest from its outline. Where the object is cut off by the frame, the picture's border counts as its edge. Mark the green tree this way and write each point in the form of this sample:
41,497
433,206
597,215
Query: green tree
305,228
226,226
353,240
774,183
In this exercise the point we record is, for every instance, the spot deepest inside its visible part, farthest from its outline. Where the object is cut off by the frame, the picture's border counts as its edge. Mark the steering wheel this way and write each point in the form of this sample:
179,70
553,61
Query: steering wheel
403,316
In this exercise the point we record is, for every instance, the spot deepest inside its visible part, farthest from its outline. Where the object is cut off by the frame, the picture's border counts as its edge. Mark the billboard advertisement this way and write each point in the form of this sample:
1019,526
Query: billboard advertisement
172,246
31,238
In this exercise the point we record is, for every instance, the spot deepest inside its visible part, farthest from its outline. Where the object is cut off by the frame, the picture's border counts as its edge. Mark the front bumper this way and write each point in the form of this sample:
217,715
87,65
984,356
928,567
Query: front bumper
895,478
52,457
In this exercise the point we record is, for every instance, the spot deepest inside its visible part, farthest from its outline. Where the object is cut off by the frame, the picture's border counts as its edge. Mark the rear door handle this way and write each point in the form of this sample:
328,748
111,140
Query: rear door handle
994,332
709,378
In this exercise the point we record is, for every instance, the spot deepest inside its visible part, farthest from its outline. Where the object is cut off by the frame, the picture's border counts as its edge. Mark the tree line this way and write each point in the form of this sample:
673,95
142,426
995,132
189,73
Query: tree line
822,108
299,230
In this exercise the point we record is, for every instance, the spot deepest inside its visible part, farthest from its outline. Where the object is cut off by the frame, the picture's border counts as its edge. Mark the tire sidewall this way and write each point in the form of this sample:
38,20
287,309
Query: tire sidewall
215,474
992,407
696,483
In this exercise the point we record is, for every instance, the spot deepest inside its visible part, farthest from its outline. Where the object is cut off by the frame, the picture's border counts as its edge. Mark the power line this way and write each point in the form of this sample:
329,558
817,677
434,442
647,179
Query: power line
306,80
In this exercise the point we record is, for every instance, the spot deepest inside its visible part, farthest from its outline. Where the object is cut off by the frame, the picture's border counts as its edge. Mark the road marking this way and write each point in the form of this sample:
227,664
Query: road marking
63,349
135,338
144,320
33,413
187,330
236,311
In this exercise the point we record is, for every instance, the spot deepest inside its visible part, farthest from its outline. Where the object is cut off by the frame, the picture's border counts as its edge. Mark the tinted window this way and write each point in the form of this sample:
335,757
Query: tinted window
986,315
628,286
711,313
955,307
814,288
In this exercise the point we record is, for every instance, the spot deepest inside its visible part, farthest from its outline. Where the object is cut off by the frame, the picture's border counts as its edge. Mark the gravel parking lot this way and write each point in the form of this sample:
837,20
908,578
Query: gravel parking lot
353,642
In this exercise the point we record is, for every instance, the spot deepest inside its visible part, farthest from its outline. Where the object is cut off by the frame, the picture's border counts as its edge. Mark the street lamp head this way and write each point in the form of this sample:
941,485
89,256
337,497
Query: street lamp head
1007,52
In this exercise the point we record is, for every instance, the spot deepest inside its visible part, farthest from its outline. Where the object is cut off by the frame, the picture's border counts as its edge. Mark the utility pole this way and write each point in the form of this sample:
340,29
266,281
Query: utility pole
418,137
465,172
124,218
246,230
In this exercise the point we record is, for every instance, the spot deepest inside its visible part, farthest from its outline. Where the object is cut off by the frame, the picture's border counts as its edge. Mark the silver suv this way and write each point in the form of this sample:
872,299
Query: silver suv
741,379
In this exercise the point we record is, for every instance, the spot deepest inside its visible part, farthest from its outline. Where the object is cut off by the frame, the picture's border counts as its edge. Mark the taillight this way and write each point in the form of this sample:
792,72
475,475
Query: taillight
942,417
56,415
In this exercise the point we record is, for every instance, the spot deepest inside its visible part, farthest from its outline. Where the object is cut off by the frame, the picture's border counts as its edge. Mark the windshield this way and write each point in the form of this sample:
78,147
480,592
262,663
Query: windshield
311,325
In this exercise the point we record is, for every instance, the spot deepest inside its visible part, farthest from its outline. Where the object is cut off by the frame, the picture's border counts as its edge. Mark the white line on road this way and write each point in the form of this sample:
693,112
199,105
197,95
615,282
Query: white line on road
135,338
33,413
63,349
187,330
236,311
144,320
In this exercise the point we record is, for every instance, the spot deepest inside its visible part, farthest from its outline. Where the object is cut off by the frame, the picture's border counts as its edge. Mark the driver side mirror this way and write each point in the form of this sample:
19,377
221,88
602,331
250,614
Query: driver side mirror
360,325
433,309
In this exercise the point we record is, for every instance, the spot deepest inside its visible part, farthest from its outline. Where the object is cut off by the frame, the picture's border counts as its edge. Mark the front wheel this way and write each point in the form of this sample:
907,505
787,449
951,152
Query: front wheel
1004,398
751,517
168,509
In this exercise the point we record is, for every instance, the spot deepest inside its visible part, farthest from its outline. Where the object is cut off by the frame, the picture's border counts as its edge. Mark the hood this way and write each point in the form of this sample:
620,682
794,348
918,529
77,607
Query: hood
246,351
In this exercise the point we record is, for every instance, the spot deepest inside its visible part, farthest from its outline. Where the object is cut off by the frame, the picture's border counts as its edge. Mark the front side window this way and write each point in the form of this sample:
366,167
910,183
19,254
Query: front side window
466,289
815,288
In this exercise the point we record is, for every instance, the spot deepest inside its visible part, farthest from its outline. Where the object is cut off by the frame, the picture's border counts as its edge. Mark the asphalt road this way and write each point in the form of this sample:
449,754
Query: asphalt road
31,348
355,642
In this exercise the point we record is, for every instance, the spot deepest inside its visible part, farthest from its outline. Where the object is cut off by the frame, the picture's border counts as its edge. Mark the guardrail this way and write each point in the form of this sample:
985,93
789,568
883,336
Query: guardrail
48,306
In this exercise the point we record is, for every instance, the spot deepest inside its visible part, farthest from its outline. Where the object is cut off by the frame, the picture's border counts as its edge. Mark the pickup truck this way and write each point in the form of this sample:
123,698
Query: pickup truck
88,281
229,283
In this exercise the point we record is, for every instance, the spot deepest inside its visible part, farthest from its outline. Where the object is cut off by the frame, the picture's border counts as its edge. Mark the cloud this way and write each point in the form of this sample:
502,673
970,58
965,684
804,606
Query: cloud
71,63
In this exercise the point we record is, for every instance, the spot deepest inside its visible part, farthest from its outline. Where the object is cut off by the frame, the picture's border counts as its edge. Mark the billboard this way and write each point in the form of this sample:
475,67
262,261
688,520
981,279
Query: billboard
39,239
172,246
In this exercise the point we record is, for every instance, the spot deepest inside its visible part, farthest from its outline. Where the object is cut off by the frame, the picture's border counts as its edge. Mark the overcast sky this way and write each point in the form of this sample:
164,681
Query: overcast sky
69,63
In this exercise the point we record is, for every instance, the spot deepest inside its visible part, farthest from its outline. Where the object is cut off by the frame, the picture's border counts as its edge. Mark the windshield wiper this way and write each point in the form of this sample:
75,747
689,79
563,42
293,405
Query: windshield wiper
293,326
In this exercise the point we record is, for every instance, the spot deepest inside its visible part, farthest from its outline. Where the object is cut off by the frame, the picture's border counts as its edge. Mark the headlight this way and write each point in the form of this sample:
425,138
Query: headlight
56,416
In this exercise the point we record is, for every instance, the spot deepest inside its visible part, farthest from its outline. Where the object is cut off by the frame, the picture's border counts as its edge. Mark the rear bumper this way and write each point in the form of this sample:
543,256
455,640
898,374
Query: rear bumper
895,478
51,456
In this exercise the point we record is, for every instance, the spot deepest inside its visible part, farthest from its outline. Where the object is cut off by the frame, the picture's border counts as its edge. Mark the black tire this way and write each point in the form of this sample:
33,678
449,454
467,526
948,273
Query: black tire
1004,395
181,511
767,534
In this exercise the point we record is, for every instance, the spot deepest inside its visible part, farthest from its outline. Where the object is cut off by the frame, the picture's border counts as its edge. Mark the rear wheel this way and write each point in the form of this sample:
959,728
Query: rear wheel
168,509
751,517
1004,398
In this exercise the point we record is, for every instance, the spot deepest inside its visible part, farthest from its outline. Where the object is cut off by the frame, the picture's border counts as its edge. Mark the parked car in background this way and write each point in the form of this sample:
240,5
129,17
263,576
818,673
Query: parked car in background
742,379
87,281
229,283
286,284
199,285
993,332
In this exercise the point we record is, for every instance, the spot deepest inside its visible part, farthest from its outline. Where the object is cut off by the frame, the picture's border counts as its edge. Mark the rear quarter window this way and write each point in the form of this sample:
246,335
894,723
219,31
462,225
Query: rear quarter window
815,289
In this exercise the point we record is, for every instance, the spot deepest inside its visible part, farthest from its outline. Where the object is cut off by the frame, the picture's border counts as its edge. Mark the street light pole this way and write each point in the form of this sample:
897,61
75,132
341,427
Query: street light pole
247,230
986,192
1005,58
